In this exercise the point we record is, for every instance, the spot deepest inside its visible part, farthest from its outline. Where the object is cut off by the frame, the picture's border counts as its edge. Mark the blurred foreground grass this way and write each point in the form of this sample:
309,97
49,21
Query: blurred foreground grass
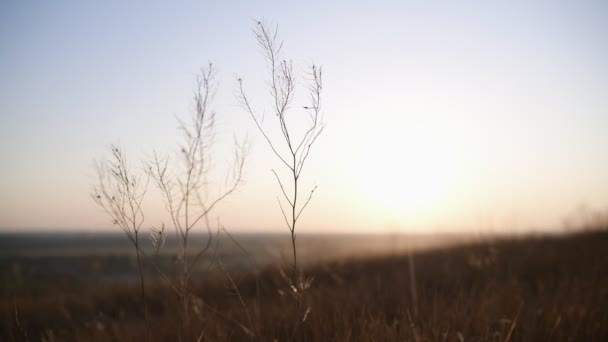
552,288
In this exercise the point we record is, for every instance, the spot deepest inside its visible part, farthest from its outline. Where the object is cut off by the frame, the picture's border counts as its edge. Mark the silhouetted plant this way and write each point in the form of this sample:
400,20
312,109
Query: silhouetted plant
184,188
282,86
120,193
185,192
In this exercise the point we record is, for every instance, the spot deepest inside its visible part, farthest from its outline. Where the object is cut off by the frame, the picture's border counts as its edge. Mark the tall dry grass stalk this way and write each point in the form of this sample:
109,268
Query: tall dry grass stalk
120,192
292,151
185,190
183,183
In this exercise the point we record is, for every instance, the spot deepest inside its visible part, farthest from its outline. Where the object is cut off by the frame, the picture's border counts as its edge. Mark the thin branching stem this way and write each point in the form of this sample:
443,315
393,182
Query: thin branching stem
183,186
296,150
185,191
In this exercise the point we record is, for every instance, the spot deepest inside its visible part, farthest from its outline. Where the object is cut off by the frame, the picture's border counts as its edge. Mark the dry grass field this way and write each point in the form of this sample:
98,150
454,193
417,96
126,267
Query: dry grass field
538,288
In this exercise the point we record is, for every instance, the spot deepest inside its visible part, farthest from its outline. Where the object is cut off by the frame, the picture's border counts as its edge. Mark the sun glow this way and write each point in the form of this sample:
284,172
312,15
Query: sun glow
405,171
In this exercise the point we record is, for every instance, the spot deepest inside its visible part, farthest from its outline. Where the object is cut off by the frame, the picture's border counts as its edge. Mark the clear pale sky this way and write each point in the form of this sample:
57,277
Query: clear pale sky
440,116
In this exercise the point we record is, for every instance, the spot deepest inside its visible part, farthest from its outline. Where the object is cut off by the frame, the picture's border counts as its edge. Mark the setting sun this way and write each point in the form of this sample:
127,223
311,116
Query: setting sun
405,171
303,171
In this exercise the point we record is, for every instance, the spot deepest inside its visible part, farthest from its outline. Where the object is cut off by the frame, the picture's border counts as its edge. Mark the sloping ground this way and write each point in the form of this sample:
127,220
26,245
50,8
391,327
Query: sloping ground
534,289
36,263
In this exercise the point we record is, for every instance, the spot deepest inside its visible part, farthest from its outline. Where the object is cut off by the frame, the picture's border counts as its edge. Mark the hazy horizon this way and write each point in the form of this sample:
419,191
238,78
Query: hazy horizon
440,117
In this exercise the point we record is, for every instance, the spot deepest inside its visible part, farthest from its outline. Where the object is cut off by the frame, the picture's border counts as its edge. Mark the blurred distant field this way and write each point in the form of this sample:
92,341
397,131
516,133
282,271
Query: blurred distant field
41,262
365,288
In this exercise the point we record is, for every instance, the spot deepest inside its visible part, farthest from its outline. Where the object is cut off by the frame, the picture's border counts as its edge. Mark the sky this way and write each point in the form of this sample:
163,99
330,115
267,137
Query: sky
477,116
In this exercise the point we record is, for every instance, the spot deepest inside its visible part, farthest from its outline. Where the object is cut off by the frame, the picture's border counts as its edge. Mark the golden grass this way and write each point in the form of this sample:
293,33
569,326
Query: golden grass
533,289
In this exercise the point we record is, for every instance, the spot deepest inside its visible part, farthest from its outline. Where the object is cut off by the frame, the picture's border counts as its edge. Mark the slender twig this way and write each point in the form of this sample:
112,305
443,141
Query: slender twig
184,190
186,193
234,287
296,150
120,194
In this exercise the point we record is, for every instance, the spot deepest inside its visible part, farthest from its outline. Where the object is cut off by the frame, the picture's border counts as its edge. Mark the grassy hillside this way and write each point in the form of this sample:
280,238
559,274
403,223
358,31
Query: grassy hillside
533,289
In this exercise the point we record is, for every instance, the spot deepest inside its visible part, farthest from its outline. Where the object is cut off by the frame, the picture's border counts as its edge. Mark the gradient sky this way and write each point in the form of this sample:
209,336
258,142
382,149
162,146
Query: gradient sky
478,115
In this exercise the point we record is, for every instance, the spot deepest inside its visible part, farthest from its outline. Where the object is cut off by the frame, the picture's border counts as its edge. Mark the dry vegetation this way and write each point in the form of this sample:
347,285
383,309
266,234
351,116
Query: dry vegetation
538,288
549,288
